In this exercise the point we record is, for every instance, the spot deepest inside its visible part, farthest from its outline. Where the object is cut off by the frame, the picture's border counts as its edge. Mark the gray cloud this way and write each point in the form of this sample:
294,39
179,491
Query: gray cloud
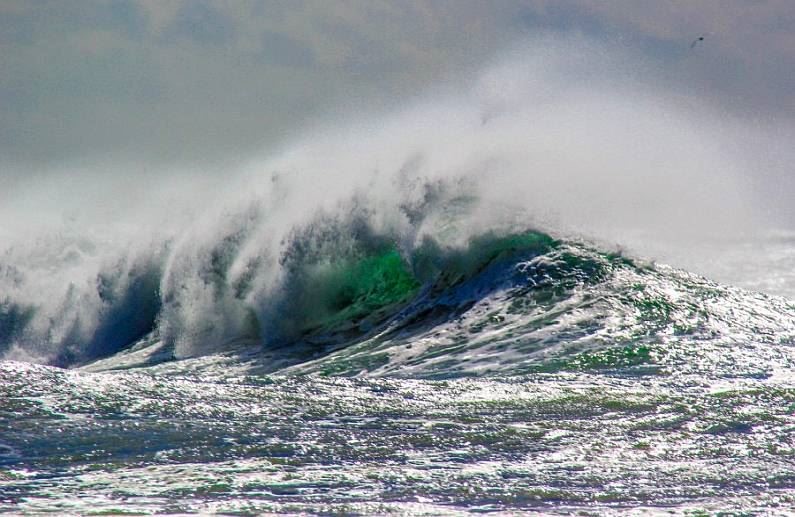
197,82
202,23
281,49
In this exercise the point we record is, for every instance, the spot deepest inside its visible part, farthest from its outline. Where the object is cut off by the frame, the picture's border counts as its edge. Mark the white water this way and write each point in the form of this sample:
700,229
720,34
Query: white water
567,136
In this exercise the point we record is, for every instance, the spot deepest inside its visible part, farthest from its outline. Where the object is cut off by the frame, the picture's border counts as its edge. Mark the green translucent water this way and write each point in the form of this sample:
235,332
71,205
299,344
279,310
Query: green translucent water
345,291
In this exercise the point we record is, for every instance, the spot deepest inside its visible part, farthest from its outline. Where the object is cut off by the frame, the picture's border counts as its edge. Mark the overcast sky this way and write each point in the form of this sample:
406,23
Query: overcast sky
158,82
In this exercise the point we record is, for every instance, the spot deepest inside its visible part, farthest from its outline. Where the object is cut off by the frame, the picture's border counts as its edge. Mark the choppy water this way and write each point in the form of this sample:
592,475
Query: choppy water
525,374
393,315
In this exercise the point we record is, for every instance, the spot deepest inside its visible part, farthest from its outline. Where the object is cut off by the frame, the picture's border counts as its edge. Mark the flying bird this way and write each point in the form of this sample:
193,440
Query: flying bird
696,41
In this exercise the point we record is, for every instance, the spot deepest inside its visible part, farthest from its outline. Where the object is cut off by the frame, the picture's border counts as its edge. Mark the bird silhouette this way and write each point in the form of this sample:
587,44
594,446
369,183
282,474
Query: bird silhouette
696,41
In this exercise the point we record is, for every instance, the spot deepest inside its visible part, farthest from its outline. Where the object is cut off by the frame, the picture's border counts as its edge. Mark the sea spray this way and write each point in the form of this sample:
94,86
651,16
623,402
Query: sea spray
524,145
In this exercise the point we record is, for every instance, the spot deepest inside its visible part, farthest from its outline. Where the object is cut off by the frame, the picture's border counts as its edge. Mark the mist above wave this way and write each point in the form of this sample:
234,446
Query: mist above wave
567,136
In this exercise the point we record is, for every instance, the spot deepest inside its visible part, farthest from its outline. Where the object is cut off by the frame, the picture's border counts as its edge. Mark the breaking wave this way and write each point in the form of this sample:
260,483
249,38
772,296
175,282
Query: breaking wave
389,228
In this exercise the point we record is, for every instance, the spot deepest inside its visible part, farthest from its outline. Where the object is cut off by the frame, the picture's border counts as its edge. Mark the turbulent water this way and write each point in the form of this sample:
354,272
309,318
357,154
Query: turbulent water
403,316
518,373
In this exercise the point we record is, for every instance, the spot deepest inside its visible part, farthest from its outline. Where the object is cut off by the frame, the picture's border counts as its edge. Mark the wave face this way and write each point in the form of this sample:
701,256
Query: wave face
427,293
531,304
428,285
351,302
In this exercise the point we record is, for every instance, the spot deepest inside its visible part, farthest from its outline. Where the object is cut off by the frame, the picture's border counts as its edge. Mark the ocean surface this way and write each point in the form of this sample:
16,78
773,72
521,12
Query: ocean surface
518,372
459,307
